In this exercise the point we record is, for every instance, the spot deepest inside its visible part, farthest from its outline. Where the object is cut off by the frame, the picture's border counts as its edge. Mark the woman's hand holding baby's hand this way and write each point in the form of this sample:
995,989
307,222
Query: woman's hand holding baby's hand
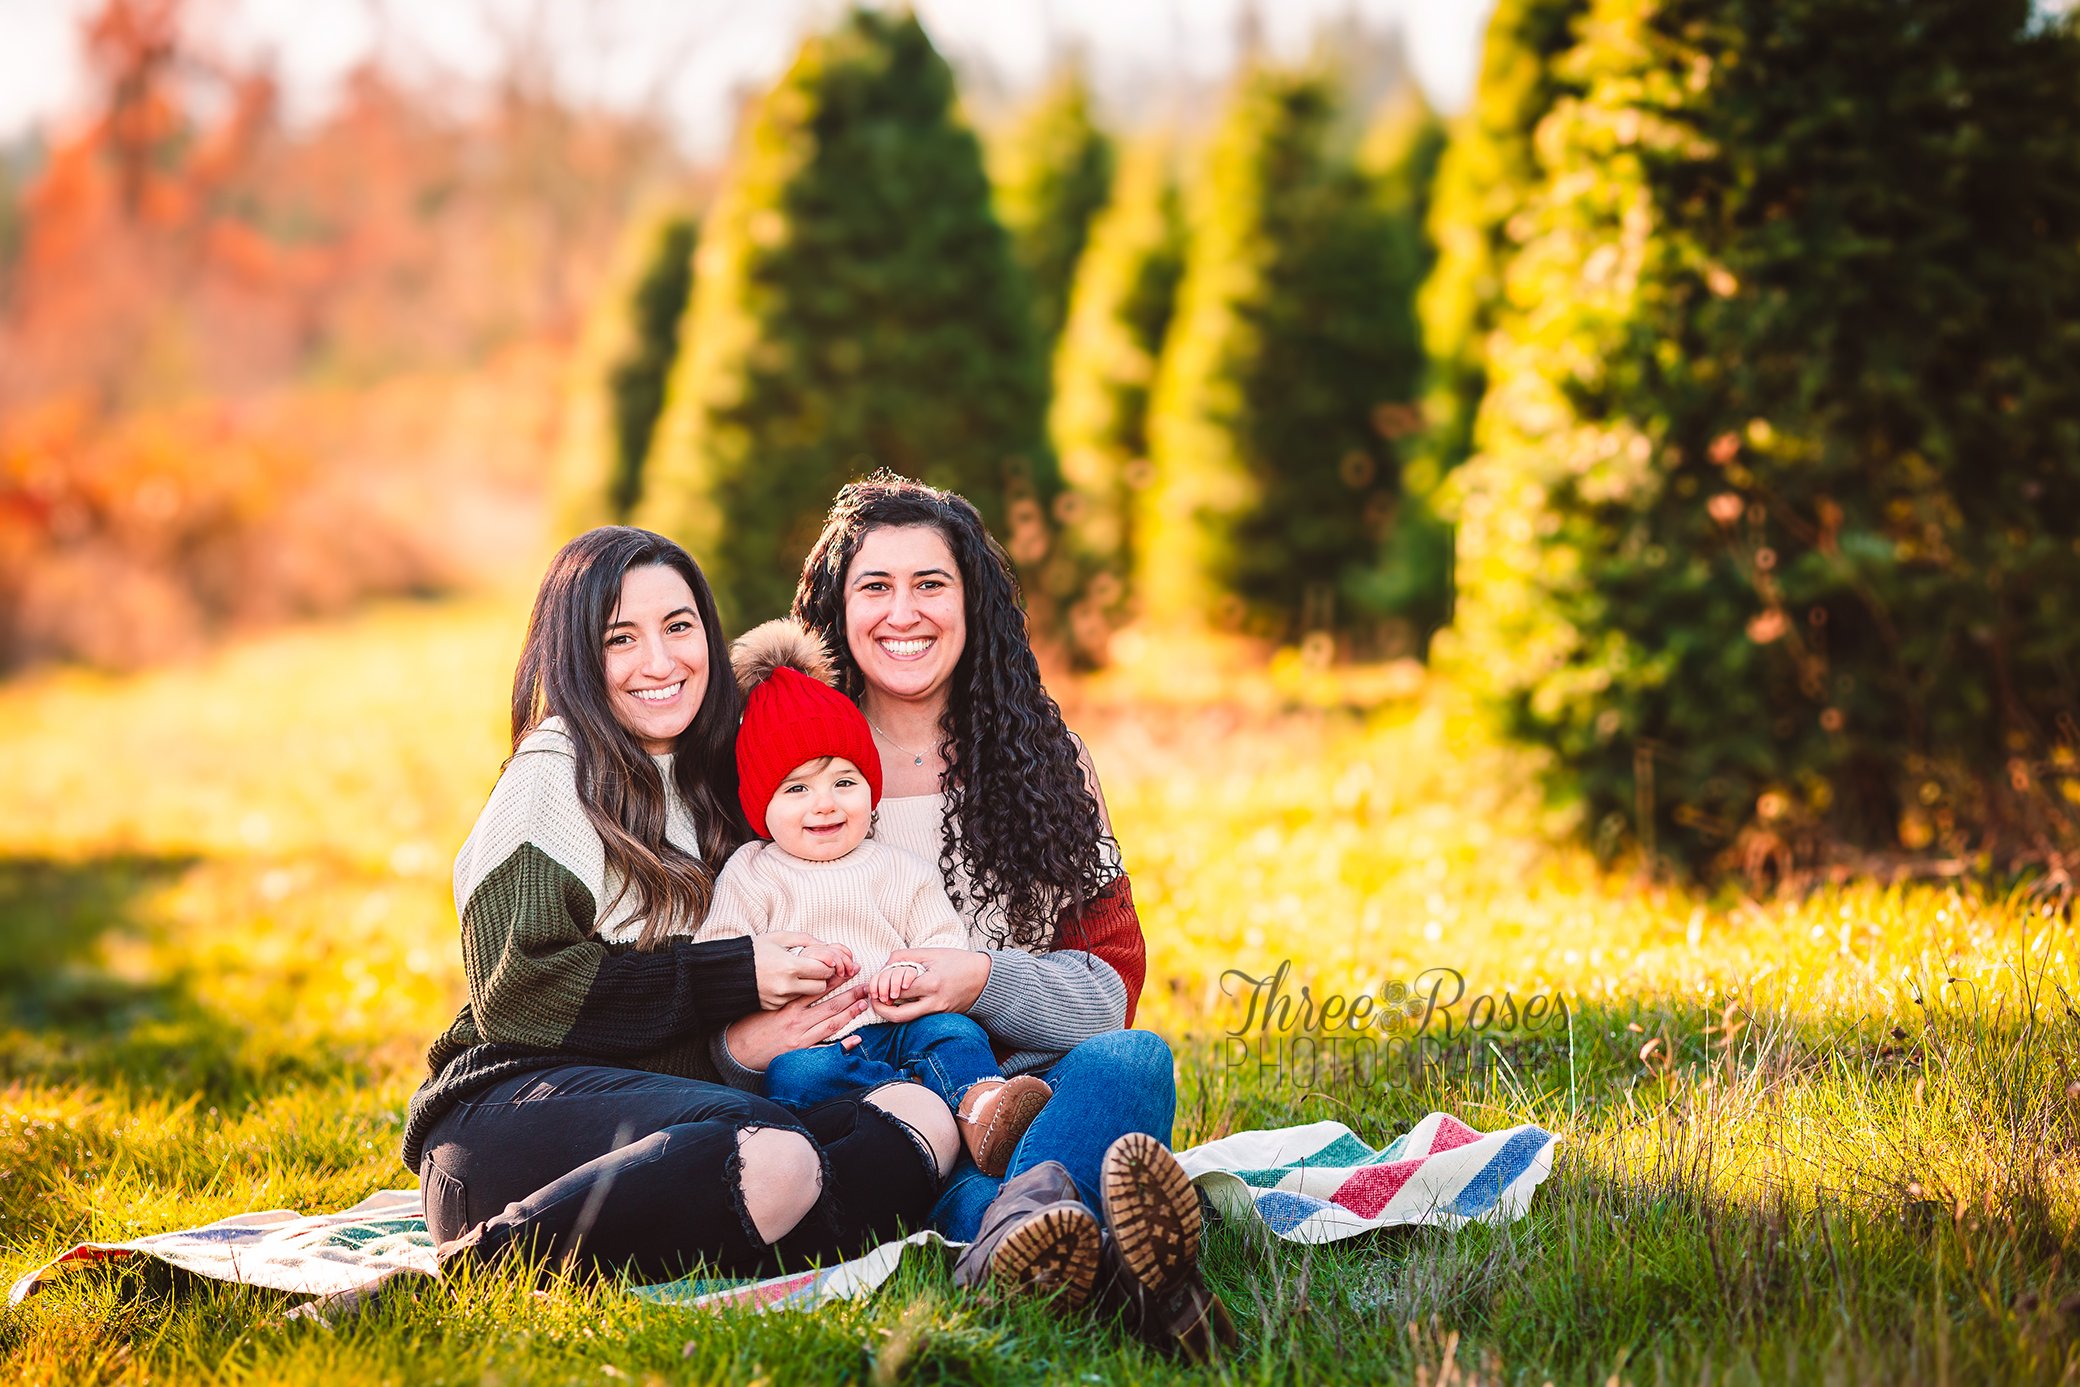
890,984
791,965
951,981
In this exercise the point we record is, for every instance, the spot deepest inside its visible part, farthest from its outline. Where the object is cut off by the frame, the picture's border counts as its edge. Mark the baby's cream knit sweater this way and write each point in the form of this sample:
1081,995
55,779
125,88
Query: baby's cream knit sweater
873,900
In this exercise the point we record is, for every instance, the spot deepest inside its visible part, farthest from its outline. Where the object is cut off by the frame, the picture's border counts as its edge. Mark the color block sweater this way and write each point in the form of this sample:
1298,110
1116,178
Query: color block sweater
549,981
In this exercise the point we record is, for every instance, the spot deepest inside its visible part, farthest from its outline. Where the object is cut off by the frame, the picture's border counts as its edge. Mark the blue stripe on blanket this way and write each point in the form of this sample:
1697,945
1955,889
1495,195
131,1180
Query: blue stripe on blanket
1284,1210
1485,1188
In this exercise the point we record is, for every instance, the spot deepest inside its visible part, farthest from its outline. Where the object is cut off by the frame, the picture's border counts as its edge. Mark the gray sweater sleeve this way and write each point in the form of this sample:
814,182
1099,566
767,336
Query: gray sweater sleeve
734,1074
1052,1001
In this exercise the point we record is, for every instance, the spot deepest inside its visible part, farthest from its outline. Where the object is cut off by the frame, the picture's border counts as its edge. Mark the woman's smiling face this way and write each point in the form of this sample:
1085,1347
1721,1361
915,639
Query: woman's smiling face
905,614
656,657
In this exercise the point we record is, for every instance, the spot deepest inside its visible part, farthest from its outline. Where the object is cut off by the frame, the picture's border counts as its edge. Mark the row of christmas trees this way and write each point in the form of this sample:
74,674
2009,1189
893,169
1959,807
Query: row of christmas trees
1752,323
1174,401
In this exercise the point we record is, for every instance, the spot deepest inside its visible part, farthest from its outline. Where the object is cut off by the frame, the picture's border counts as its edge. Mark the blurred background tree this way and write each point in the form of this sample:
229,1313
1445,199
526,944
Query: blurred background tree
254,368
631,340
1399,158
1052,171
1483,179
1770,534
1120,310
856,306
11,162
1272,481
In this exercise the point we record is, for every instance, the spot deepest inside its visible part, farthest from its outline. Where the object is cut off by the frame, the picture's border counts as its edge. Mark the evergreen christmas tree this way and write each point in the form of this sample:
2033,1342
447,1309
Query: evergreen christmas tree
1400,157
1488,173
1771,533
1053,171
629,345
1272,482
1124,296
856,307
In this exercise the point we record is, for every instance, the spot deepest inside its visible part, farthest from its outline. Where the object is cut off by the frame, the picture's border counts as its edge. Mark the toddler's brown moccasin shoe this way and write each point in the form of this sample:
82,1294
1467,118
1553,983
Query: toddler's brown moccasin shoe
991,1142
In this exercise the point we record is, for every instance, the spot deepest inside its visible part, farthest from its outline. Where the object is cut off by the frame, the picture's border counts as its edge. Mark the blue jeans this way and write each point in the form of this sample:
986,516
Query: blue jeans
946,1052
1113,1084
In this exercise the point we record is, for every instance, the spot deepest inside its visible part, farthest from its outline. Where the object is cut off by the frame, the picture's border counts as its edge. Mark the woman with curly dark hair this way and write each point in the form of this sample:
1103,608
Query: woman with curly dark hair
920,610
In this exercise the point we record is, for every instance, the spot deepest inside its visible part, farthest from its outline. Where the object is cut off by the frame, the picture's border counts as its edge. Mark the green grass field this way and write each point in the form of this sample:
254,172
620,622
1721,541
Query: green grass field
1830,1139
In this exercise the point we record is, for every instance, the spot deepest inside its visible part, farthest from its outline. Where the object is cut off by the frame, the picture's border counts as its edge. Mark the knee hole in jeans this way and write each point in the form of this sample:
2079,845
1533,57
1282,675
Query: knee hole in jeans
779,1177
927,1117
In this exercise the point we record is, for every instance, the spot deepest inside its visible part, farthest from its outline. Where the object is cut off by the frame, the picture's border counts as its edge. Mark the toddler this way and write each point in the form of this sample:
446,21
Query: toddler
809,778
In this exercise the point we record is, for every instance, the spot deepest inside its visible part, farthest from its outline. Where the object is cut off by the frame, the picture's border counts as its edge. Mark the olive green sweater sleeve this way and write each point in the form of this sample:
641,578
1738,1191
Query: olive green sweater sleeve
530,886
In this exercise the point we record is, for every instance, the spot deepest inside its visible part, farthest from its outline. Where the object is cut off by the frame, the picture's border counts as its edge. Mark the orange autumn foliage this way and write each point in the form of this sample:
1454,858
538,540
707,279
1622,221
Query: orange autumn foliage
229,347
145,536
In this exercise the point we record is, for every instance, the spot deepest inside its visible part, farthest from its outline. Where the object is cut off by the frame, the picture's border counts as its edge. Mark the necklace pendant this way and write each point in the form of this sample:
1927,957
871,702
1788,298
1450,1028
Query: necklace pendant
917,761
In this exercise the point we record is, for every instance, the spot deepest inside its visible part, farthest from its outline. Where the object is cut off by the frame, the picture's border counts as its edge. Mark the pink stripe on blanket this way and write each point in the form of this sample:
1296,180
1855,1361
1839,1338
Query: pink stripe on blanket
1368,1191
1451,1133
762,1294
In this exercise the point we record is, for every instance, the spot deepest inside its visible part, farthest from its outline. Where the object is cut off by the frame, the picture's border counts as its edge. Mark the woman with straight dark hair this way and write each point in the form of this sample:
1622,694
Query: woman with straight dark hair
919,608
569,1112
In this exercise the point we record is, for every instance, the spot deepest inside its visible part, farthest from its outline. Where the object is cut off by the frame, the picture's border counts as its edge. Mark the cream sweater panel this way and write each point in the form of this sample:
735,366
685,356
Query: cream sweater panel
536,801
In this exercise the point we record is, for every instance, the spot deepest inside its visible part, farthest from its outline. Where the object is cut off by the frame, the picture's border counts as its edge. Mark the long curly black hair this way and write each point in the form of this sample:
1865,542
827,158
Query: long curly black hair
1020,818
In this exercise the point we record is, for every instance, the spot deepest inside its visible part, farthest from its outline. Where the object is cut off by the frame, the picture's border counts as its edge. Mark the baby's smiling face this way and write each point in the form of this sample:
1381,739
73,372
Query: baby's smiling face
822,810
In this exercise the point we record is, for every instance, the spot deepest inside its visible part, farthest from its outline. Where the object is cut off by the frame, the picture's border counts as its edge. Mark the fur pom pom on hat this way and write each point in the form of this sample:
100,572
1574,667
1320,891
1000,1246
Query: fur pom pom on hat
793,714
781,644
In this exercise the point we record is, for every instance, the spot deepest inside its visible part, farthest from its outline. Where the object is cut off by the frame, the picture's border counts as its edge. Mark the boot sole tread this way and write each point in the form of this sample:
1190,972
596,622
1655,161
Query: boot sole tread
1054,1251
1153,1212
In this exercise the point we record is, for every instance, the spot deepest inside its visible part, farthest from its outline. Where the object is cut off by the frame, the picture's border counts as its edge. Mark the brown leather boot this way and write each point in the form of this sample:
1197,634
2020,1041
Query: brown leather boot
1037,1238
1149,1263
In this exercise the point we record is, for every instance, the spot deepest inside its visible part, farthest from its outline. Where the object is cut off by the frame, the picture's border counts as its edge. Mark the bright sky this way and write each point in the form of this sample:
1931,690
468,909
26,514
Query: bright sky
693,53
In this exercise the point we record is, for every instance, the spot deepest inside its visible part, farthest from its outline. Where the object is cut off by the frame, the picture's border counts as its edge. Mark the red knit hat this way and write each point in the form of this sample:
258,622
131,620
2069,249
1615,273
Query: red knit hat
792,714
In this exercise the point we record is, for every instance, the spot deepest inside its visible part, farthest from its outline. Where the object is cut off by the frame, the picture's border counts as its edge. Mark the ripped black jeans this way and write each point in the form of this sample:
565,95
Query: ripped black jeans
608,1169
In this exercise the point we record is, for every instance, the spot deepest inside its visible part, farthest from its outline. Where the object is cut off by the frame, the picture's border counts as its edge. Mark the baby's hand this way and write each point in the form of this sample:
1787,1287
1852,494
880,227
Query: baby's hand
892,982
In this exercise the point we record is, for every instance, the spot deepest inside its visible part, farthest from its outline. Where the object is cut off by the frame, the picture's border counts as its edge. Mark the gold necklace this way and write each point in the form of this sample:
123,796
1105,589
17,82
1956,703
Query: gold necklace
916,756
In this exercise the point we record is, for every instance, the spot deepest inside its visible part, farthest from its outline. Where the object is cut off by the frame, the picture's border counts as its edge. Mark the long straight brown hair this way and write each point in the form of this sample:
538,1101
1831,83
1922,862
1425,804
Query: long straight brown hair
562,674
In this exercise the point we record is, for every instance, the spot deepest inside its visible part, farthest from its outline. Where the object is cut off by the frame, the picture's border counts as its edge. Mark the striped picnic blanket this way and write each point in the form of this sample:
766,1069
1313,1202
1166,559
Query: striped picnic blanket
1310,1184
1319,1183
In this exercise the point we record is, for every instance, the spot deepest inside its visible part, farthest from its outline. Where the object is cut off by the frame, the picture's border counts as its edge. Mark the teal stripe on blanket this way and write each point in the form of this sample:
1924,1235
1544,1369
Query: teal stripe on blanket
1341,1154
